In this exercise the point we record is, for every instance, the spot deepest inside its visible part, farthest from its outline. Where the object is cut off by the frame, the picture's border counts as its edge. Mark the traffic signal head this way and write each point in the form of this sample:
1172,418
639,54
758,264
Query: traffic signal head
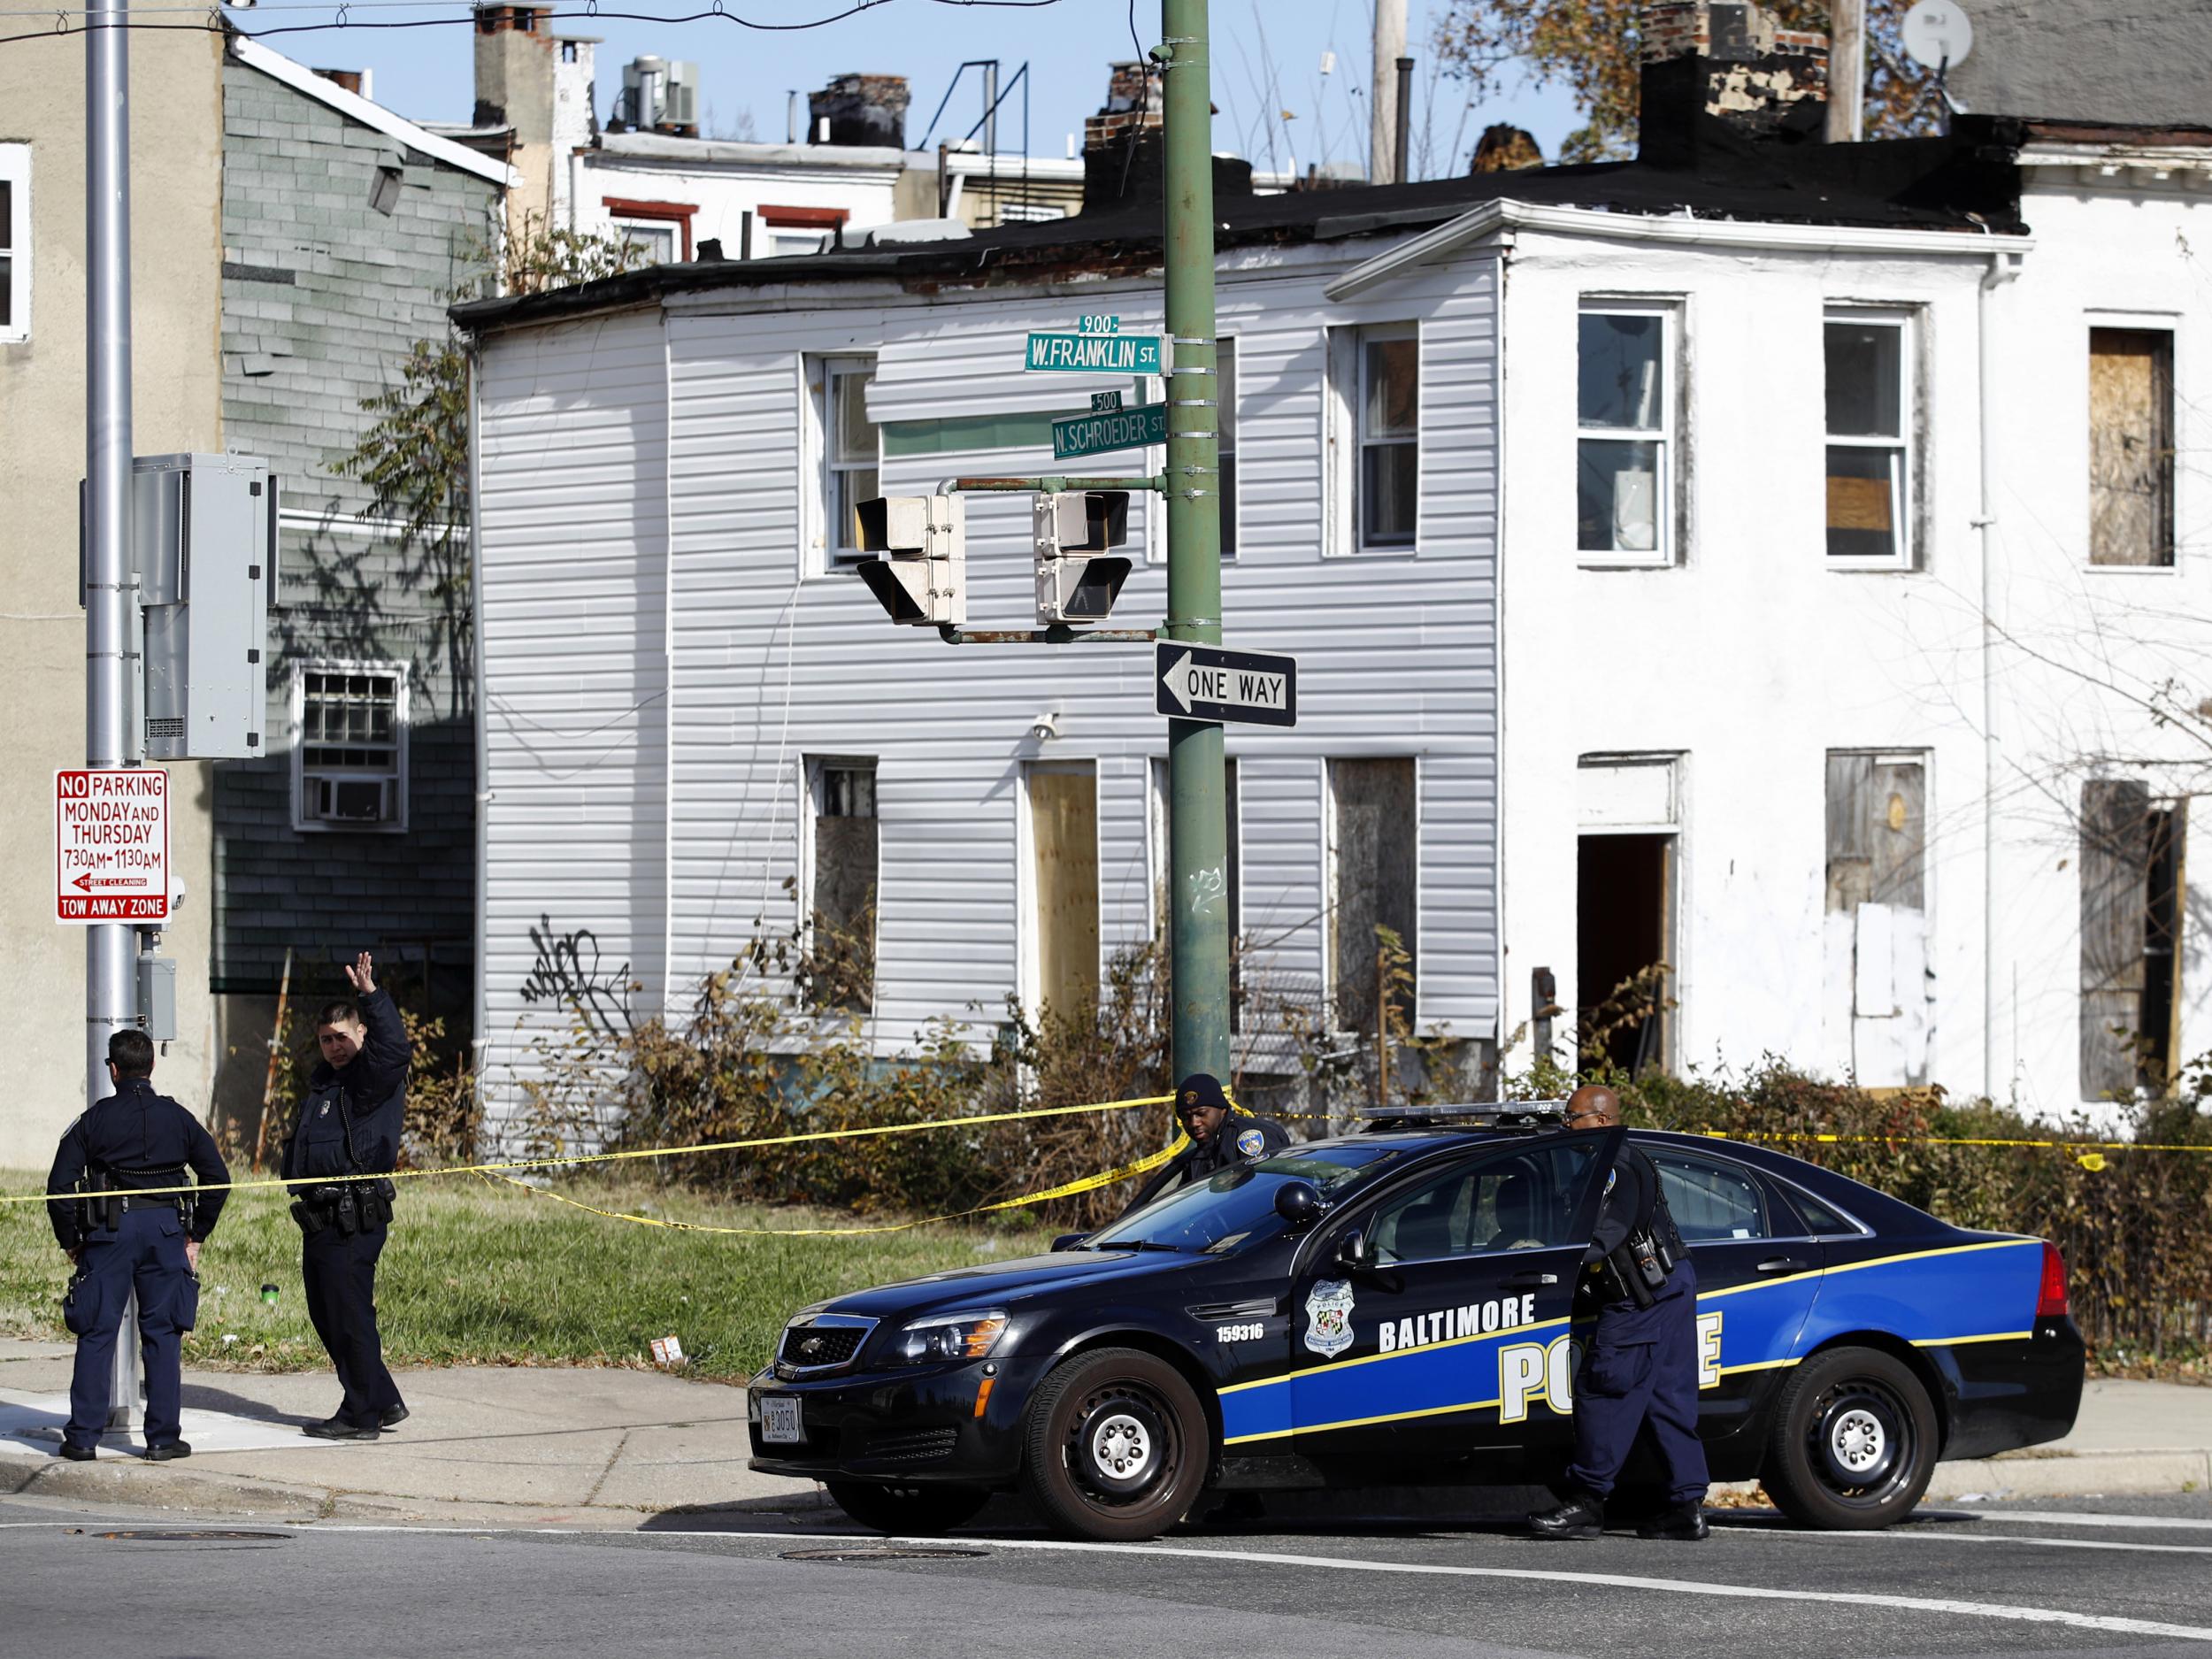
1077,581
922,575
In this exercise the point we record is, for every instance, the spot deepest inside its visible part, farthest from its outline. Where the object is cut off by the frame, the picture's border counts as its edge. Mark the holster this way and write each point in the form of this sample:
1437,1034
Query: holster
76,1303
1627,1277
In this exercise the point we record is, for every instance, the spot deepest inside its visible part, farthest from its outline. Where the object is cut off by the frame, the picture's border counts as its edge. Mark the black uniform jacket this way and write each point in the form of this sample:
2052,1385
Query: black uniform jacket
130,1136
1203,1159
363,1102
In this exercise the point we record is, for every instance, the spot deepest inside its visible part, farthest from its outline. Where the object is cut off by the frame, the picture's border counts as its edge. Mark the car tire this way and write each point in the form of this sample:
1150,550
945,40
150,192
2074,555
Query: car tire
914,1511
1116,1446
1854,1442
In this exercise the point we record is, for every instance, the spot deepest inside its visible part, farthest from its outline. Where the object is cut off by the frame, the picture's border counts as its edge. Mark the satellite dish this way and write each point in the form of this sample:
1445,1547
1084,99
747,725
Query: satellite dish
1936,34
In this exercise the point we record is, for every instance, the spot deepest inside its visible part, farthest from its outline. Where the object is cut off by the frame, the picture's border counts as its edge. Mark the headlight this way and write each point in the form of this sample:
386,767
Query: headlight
952,1336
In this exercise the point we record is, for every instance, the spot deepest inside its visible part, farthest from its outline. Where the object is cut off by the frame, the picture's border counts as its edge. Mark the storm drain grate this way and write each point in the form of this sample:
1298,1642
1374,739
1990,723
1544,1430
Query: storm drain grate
200,1536
882,1552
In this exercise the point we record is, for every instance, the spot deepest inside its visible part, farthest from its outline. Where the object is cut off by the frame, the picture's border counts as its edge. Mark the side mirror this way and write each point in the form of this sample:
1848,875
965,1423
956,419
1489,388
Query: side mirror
1068,1242
1298,1201
1354,1255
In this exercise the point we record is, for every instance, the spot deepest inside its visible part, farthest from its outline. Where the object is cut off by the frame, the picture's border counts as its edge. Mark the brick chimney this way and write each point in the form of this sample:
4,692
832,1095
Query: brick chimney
868,110
1124,146
1706,62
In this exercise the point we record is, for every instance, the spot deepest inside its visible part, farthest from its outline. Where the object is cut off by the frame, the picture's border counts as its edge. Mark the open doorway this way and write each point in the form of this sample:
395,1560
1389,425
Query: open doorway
1624,938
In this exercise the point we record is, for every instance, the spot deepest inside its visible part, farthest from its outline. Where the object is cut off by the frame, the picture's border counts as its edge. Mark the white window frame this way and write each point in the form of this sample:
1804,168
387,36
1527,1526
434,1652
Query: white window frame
15,168
1905,501
819,381
1346,405
1666,510
307,823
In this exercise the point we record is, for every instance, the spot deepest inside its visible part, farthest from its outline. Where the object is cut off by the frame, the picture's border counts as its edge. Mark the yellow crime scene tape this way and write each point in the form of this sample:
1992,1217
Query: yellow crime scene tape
2088,1153
580,1158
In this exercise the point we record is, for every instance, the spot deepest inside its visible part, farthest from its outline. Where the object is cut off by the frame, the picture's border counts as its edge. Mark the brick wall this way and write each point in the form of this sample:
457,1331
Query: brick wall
323,293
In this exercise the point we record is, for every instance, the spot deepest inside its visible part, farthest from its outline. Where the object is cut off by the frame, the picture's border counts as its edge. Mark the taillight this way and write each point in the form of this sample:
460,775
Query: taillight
2050,1299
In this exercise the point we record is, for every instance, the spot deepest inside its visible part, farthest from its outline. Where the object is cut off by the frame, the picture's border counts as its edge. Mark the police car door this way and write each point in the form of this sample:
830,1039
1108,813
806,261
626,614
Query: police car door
1757,1273
1458,1321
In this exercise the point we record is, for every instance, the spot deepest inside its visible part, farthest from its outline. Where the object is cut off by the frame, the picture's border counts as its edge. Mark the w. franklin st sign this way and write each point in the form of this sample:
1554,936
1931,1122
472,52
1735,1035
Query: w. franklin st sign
1203,682
1094,354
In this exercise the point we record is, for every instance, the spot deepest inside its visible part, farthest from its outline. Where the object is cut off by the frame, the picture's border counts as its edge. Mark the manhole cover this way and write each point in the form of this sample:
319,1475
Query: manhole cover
168,1537
885,1552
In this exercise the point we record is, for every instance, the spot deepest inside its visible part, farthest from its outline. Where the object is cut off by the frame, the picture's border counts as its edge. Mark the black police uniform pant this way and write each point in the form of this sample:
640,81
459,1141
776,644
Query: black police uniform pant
1638,1373
340,1272
144,1253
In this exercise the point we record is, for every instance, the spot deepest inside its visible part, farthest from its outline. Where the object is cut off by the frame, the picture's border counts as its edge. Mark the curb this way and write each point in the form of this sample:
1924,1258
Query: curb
131,1480
2072,1474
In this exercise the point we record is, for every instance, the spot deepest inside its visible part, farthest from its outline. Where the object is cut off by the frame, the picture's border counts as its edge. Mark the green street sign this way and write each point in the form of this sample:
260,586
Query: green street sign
1094,354
1118,429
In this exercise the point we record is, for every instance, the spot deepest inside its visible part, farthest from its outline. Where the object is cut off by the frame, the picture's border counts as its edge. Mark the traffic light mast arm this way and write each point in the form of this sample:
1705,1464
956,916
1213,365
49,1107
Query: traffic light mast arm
1059,634
1157,482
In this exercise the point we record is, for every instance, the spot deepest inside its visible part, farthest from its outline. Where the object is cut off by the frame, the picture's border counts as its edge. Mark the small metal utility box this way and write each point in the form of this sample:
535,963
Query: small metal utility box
204,542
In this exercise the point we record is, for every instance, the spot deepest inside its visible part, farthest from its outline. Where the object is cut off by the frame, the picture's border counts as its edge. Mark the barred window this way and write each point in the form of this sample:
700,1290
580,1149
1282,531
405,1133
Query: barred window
350,758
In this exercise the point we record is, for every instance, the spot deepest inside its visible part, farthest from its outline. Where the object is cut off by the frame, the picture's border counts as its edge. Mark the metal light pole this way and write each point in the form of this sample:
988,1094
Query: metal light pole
1198,840
110,991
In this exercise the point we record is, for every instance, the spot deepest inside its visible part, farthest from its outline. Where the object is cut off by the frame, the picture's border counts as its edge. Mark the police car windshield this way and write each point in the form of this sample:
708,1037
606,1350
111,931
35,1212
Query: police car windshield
1236,1208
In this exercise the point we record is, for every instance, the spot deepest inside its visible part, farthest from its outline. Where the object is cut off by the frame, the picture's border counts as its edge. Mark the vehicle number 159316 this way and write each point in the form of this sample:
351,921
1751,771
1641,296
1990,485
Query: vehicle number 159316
1238,1333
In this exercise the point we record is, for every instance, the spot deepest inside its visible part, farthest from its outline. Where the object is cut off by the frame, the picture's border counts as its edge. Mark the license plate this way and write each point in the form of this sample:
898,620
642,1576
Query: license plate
779,1424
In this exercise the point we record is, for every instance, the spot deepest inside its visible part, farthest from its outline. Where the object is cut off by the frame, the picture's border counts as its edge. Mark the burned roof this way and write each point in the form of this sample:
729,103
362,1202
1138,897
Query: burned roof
1968,181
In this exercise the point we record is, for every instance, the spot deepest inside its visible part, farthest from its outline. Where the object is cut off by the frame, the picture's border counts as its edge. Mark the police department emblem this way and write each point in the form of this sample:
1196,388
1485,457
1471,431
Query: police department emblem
1251,1143
323,1110
1190,1097
1329,1317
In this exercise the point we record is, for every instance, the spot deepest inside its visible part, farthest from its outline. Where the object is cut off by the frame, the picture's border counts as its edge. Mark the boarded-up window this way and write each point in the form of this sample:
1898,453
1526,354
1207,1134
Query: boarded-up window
2130,446
1374,878
1063,850
841,964
2131,864
1876,987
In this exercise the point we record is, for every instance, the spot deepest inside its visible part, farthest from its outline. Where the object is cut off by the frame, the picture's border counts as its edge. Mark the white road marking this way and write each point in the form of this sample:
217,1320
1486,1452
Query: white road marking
1945,1535
1208,1551
2083,1518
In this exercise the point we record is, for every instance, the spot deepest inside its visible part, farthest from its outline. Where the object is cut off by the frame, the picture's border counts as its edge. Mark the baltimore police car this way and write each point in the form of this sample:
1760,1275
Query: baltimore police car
1395,1308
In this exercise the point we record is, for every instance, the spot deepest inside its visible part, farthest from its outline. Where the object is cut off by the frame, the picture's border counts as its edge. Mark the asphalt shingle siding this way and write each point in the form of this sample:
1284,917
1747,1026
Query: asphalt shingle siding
323,295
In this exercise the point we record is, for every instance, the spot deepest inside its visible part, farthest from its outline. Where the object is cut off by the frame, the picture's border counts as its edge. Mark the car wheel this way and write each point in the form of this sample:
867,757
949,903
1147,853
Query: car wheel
1116,1446
1854,1441
918,1512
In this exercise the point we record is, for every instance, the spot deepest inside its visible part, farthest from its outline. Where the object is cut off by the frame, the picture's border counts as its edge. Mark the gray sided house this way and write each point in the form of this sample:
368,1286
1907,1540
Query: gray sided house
345,231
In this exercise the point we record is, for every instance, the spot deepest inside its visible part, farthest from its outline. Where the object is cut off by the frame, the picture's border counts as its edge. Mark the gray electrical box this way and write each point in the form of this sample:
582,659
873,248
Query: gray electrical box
157,995
204,530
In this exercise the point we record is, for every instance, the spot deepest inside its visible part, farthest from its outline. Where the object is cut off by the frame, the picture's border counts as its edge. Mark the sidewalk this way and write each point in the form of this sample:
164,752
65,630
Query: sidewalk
574,1447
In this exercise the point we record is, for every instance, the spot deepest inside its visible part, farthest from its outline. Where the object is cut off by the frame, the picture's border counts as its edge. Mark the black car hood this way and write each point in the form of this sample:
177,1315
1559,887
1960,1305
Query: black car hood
997,1284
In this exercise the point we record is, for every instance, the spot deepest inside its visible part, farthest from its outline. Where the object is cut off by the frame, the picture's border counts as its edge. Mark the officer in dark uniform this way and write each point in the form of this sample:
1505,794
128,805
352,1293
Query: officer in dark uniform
1640,1366
131,1140
1217,1139
350,1124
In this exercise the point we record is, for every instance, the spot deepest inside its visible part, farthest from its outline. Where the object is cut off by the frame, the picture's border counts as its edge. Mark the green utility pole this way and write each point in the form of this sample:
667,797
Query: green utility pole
1198,838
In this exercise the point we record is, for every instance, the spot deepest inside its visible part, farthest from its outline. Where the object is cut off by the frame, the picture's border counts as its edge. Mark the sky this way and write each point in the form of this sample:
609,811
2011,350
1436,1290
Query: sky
1267,60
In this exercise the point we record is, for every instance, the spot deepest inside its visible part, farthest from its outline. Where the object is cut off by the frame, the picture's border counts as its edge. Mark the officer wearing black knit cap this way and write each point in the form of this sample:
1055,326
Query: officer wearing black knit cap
1216,1139
133,1141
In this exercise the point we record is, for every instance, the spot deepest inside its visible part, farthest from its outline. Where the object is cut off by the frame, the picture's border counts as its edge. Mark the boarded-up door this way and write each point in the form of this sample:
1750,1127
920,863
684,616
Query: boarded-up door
1064,874
1374,878
2116,849
1878,987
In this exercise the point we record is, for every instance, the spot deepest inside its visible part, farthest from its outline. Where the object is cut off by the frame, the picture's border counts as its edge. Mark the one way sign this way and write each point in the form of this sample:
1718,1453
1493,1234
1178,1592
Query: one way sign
1202,683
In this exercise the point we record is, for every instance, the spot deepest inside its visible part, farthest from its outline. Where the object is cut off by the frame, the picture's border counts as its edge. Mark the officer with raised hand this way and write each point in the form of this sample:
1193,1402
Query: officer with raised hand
1640,1365
349,1124
134,1138
1217,1139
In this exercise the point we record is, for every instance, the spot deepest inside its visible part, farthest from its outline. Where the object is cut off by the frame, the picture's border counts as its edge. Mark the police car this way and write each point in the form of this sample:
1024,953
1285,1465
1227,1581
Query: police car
1395,1308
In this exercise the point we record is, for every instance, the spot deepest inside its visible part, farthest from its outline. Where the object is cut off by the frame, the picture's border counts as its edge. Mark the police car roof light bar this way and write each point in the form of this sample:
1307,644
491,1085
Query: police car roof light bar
1517,1114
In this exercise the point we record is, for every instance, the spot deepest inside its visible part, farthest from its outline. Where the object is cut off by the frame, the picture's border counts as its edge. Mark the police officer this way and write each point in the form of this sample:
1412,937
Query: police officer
1201,1107
133,1138
1640,1366
350,1124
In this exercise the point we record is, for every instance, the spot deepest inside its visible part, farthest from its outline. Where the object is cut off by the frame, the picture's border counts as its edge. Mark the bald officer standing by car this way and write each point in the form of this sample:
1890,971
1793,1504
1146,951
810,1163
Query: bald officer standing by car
349,1124
1639,1364
1217,1140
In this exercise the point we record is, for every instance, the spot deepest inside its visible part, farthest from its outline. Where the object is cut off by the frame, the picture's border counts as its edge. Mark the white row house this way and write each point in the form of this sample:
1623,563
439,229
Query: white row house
1773,569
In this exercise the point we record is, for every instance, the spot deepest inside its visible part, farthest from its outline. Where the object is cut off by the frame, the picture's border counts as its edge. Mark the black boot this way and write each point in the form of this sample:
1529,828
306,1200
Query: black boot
1683,1521
1581,1515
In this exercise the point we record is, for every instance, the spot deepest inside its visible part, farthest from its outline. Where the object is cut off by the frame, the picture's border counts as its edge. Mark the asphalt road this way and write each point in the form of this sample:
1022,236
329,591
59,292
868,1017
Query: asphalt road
2125,1576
